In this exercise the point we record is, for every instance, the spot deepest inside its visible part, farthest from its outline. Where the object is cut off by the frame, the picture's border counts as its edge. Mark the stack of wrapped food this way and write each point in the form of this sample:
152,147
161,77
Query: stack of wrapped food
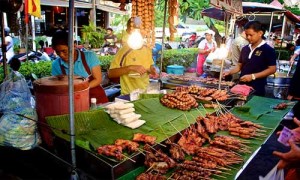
124,113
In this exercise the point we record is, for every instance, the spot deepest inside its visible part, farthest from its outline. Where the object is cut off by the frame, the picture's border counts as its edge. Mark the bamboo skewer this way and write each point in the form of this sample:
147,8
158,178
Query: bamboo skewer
161,144
150,168
187,120
204,109
127,157
219,176
170,177
175,128
141,151
164,133
200,112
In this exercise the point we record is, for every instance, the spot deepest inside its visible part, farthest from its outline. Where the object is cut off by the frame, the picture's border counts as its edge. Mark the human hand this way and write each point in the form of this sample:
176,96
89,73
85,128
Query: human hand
153,73
296,132
290,158
290,97
226,73
138,68
246,78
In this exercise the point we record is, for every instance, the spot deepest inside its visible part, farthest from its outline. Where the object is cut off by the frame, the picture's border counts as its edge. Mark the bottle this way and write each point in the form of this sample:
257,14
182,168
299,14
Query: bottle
93,103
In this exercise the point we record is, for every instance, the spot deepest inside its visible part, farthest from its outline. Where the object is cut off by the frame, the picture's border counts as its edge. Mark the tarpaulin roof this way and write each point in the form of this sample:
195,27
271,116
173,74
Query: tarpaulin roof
248,7
253,9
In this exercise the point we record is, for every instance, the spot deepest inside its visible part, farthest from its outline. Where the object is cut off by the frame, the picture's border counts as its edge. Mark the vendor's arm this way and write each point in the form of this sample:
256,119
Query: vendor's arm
249,77
234,70
201,47
97,75
6,43
118,72
153,72
296,53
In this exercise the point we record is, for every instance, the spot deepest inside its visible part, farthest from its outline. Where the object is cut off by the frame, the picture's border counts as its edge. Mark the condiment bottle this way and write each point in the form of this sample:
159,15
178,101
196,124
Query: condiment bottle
93,103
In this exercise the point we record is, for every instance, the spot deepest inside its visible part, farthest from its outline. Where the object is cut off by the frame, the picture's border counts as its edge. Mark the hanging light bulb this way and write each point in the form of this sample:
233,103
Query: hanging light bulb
135,39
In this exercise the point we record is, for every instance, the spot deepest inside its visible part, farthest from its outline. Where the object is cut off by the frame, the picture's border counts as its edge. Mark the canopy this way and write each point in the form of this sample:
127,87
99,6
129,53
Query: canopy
61,3
248,7
257,11
78,4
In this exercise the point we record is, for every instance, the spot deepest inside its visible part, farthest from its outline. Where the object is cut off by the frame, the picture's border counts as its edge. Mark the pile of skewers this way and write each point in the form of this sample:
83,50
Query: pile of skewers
116,150
215,160
204,94
179,100
208,80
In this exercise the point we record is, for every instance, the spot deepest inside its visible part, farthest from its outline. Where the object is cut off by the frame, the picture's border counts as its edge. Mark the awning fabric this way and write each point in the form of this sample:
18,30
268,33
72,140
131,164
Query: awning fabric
248,7
62,3
111,9
77,4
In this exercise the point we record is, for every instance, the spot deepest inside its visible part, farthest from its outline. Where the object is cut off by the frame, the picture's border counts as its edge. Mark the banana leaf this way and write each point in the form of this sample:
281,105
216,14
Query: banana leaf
258,110
97,127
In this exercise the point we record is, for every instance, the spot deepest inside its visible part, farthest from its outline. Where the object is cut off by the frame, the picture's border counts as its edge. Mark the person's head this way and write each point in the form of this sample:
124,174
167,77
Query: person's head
6,31
60,44
133,22
209,34
254,31
15,64
109,30
290,47
41,43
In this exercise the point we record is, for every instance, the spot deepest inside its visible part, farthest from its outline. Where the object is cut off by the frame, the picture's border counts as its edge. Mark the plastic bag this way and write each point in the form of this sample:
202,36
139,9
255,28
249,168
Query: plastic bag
274,174
18,121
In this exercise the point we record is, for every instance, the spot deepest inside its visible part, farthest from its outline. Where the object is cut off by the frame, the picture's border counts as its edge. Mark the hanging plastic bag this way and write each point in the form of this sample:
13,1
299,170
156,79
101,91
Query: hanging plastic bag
18,127
274,174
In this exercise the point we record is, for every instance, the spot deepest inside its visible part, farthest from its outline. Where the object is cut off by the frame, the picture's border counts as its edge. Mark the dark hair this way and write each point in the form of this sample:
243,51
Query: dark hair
109,29
15,64
298,41
289,46
128,24
60,38
256,26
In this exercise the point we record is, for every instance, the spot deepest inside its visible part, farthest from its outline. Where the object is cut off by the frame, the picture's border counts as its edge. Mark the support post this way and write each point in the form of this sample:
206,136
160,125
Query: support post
163,43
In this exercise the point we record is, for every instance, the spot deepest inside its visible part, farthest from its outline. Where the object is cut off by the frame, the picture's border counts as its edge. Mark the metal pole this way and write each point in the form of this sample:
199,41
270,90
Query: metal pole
283,28
74,175
162,43
3,46
271,23
33,33
221,74
76,26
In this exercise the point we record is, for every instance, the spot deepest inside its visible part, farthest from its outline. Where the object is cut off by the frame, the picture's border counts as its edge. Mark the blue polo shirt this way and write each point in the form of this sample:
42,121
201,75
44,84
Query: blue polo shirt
256,61
91,59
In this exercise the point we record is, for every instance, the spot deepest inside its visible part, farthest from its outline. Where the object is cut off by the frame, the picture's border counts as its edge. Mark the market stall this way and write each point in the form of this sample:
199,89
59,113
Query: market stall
161,122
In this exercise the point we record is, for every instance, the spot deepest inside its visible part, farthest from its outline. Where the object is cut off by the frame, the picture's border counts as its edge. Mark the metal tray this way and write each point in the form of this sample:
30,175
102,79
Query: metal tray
96,166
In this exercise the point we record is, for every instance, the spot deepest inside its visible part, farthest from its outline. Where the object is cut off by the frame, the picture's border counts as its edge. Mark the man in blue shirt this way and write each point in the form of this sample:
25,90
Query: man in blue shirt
257,60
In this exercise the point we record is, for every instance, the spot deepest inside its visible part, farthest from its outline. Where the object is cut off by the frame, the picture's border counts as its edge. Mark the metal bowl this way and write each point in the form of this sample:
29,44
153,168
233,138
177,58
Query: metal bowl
279,79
